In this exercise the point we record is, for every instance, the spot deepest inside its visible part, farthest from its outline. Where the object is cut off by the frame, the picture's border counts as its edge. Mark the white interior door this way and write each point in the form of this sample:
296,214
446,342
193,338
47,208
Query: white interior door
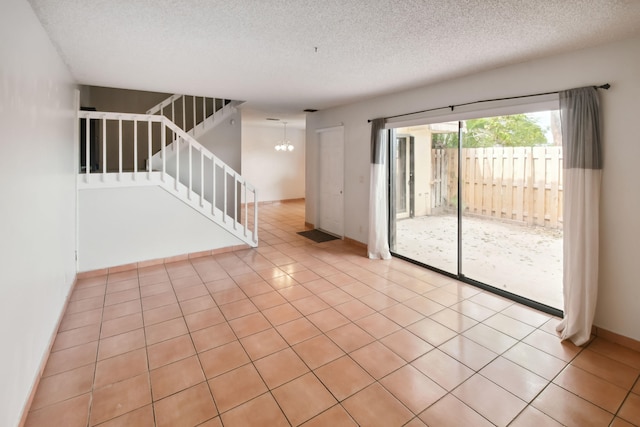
331,203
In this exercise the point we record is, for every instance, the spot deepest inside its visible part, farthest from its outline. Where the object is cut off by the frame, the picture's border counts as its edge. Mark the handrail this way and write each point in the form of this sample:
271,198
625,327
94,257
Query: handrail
188,110
195,171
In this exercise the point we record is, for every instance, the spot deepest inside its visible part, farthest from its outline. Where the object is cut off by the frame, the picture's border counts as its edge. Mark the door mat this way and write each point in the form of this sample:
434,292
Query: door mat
317,236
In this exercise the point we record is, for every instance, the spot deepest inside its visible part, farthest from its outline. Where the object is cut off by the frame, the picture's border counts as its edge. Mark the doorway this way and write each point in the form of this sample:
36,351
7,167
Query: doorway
487,203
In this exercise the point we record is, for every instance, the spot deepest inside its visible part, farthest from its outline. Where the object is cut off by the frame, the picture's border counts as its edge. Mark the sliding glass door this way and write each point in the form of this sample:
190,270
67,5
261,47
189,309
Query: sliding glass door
481,200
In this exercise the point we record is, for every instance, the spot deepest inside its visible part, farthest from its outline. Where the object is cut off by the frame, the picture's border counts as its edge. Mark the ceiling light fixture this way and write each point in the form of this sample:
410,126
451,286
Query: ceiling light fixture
284,145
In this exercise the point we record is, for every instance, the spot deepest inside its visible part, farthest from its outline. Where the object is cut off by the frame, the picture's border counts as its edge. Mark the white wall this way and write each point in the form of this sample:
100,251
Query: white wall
119,226
37,199
277,175
224,141
617,63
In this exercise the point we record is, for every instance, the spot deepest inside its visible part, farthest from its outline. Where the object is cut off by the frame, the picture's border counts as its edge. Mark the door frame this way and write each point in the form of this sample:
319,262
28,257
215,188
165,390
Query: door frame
391,135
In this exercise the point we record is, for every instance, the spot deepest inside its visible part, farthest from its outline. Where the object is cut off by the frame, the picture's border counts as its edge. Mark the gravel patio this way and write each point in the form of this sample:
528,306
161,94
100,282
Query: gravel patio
525,260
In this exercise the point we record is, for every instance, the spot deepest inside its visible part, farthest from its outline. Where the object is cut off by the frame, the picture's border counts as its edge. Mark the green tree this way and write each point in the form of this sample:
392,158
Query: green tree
516,130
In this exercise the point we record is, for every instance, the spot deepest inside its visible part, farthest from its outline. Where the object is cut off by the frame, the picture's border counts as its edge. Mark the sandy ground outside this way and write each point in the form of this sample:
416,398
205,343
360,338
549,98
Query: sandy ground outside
524,260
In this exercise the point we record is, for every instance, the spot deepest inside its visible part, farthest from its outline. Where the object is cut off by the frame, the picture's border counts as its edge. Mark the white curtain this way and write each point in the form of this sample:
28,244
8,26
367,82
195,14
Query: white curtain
378,245
579,113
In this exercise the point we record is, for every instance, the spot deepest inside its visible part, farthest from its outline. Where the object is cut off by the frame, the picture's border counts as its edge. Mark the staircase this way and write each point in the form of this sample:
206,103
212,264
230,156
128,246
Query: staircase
194,115
179,164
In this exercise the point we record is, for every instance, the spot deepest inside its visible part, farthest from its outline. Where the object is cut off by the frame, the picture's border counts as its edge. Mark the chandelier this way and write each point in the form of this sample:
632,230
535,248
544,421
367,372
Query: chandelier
284,145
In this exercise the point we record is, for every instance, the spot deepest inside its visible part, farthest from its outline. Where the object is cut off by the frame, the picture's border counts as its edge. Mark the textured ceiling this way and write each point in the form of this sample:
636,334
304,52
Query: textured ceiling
282,56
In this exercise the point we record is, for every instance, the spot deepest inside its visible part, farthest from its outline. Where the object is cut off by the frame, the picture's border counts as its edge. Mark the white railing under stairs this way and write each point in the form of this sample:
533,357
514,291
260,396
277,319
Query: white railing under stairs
194,114
192,173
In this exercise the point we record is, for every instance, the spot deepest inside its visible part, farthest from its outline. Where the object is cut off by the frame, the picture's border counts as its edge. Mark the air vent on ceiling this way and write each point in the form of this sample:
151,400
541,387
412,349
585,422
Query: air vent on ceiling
309,110
271,118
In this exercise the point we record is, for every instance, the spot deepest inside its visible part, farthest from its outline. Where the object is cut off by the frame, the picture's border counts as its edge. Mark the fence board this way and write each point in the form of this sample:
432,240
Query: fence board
514,183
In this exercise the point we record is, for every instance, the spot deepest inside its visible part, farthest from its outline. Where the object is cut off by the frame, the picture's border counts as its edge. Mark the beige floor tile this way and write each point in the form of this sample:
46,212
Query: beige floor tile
537,361
121,367
328,319
282,314
297,331
377,325
303,398
161,314
508,325
453,320
263,411
142,417
606,368
406,345
414,389
236,309
630,410
204,318
189,407
77,336
431,331
443,369
514,378
343,377
468,352
490,338
62,386
165,330
249,325
263,343
402,315
451,412
281,367
375,406
354,310
170,351
121,325
336,416
531,417
236,387
268,300
223,359
175,377
489,400
318,351
551,344
377,359
616,352
119,398
592,388
213,336
569,409
72,412
71,358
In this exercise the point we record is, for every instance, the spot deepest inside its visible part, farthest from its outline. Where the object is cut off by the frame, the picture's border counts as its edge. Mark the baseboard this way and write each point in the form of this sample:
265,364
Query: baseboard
159,261
277,202
309,225
617,338
355,243
45,357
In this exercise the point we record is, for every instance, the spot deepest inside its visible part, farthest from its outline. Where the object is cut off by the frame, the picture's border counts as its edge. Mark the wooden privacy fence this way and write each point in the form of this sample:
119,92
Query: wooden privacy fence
514,183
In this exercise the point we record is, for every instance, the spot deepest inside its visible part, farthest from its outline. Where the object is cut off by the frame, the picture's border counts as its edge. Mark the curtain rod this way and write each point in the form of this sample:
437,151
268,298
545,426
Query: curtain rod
452,107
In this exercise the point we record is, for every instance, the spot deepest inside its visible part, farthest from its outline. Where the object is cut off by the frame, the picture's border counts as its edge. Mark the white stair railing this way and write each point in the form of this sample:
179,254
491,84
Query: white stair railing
189,112
201,179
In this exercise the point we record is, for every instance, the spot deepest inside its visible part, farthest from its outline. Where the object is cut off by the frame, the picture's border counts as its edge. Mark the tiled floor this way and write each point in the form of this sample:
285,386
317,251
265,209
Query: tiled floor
316,334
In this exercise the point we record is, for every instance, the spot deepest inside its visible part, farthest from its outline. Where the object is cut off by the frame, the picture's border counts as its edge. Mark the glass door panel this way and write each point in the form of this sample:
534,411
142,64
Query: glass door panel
509,171
511,205
423,218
